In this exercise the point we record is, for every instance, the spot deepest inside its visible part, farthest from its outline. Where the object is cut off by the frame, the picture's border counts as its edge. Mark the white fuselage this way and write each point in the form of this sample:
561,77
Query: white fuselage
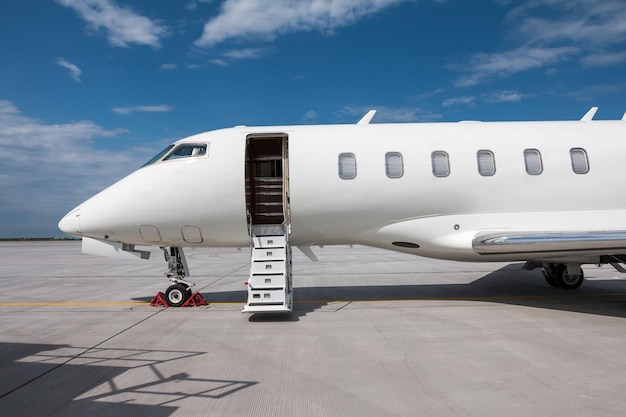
201,201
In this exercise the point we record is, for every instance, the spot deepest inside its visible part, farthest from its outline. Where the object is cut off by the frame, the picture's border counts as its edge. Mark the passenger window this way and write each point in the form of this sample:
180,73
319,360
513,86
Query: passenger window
486,163
441,164
532,160
347,166
580,162
394,166
187,151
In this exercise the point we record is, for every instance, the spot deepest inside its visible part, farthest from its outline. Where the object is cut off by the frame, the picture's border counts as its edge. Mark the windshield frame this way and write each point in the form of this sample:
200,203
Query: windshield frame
169,153
159,156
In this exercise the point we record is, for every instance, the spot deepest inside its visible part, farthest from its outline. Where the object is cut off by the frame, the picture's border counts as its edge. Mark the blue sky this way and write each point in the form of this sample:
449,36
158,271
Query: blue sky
91,89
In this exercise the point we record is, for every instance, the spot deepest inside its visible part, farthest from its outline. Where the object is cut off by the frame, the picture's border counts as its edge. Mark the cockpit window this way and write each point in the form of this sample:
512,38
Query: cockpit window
187,151
159,155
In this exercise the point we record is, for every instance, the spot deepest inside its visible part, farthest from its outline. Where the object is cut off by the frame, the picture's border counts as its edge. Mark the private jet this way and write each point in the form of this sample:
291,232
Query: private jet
543,192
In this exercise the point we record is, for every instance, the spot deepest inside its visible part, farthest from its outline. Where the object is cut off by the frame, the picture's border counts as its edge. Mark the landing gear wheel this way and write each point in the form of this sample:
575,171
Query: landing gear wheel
177,294
567,281
551,280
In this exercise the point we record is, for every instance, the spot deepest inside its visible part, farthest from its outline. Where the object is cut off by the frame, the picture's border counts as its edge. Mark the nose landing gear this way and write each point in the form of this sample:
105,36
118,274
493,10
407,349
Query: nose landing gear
177,294
180,290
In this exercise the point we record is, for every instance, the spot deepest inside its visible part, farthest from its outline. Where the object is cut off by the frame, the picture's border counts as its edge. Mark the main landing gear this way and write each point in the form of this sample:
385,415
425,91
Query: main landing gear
180,290
567,276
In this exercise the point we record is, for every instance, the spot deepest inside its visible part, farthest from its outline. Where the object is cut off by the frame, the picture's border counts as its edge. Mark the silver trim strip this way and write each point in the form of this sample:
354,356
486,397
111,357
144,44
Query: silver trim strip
536,242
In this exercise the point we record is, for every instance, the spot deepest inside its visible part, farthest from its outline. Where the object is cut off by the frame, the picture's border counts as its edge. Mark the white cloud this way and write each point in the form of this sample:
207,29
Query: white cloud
145,109
588,22
604,59
219,62
506,96
552,72
592,91
467,100
74,70
246,53
386,114
501,96
193,4
266,19
121,25
236,54
483,67
428,94
49,168
310,116
549,32
169,67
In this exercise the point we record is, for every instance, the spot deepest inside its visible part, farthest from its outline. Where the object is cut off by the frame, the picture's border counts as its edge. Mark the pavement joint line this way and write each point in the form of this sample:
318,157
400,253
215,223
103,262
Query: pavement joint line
141,303
76,356
223,276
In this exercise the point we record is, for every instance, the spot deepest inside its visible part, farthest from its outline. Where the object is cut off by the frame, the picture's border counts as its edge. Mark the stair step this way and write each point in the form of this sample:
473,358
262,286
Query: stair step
266,309
268,267
269,254
268,230
269,241
269,284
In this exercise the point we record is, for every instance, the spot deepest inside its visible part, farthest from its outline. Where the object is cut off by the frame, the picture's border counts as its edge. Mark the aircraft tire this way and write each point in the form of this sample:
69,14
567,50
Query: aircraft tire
551,280
567,281
176,295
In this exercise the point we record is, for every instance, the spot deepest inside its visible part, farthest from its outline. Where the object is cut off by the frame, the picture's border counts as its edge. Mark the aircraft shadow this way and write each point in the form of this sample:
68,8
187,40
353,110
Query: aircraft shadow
45,379
508,285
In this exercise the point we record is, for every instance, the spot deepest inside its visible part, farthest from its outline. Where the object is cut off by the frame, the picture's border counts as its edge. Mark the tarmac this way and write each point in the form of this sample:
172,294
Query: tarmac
373,333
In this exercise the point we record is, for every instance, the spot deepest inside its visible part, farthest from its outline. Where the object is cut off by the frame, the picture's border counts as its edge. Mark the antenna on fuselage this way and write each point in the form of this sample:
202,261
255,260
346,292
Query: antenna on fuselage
365,120
589,115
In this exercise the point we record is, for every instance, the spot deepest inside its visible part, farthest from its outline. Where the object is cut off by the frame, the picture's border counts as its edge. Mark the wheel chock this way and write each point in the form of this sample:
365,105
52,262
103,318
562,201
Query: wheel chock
159,301
195,300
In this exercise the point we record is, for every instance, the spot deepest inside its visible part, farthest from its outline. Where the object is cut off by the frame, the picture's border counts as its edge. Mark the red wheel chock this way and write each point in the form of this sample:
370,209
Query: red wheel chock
159,301
195,300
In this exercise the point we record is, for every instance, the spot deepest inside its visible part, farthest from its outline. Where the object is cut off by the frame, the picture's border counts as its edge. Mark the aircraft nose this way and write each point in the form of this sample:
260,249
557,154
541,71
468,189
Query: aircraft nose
71,223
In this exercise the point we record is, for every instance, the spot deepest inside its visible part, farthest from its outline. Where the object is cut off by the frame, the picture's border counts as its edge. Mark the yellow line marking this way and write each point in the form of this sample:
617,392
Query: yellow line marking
74,304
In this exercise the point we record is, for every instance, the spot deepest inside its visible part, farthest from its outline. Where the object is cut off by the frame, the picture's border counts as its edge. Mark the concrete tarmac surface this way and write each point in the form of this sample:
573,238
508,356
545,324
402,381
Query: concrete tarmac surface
373,333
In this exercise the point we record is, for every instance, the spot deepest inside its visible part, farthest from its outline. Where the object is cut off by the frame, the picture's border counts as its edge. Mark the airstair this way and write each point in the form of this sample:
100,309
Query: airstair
267,201
269,286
